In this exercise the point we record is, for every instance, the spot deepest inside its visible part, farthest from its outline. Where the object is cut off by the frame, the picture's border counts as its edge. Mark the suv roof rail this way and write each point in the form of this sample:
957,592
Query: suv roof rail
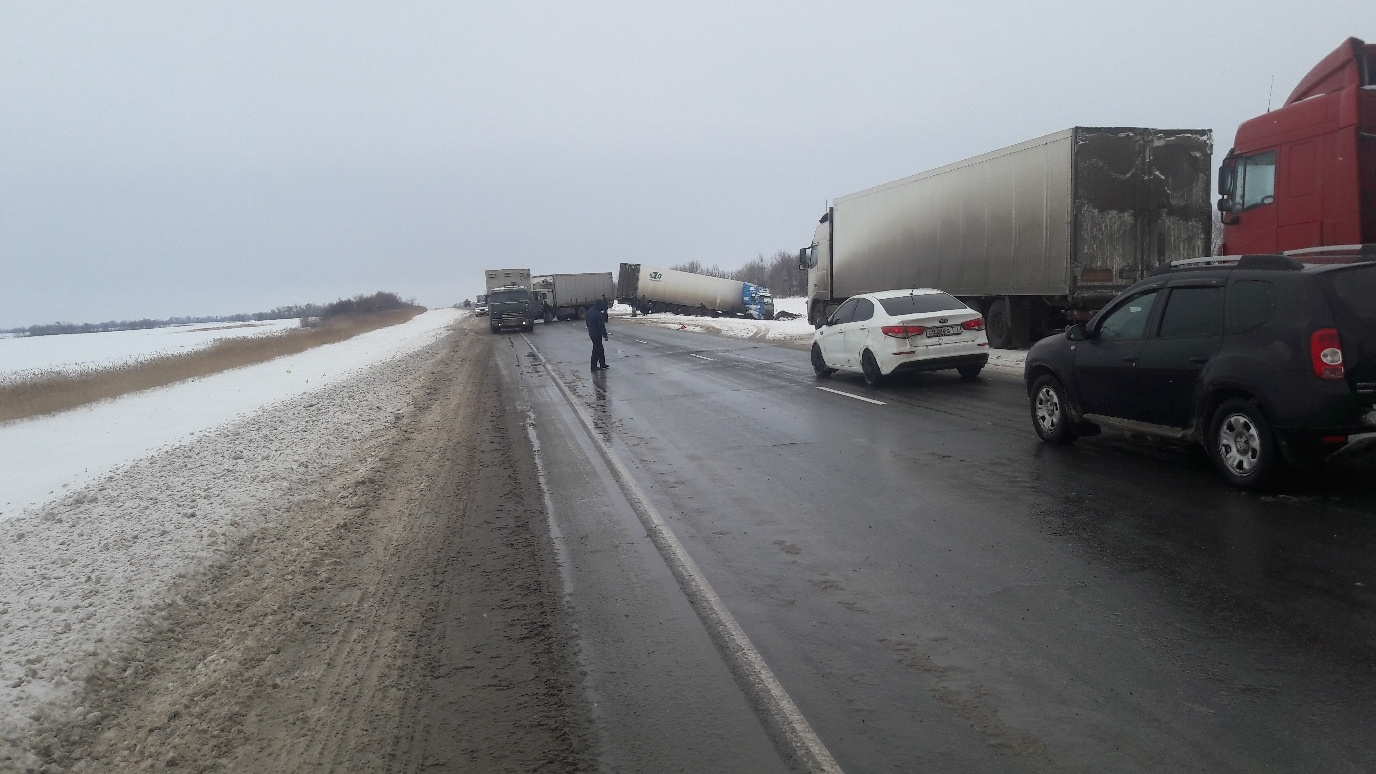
1264,261
1335,254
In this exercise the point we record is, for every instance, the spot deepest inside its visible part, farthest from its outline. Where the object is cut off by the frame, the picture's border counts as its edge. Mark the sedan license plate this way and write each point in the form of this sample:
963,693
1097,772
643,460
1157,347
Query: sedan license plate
942,330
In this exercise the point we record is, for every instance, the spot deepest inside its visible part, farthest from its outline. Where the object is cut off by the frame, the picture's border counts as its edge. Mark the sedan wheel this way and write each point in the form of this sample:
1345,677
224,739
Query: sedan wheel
870,368
1050,411
819,363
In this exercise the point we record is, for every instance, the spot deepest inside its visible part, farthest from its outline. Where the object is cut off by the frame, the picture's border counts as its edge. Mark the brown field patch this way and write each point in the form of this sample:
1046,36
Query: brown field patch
51,393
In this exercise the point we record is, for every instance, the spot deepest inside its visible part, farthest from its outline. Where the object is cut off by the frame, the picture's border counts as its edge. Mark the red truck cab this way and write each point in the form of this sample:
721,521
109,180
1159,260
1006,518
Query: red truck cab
1304,175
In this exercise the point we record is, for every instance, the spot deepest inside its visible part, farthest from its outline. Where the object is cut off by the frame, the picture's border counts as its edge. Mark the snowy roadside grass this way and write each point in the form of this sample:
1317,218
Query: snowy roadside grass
51,392
82,576
40,457
27,357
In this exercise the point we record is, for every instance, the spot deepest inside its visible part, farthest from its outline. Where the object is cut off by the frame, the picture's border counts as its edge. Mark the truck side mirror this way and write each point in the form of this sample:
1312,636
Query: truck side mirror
1077,332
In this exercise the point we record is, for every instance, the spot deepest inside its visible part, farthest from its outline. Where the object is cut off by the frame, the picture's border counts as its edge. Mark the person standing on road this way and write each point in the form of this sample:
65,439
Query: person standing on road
597,331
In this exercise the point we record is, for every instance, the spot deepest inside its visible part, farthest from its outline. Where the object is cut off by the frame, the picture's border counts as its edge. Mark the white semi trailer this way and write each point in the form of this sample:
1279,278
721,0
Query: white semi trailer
1035,236
570,296
654,289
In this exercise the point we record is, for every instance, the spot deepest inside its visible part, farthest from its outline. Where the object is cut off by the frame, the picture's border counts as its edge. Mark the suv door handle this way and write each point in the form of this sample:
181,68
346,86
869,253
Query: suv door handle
1201,359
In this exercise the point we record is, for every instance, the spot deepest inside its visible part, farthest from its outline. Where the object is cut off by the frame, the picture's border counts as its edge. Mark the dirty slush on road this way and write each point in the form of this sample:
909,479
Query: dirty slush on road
407,616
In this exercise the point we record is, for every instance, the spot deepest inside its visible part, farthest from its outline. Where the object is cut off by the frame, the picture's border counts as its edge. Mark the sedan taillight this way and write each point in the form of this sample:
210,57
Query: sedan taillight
1326,354
976,324
902,331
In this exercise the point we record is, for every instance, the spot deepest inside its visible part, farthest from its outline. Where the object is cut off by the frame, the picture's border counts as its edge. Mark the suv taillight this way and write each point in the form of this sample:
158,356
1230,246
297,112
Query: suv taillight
1326,354
976,324
902,331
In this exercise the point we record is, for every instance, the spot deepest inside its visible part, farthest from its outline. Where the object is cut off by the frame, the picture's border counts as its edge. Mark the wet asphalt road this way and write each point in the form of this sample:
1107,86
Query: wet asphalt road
935,588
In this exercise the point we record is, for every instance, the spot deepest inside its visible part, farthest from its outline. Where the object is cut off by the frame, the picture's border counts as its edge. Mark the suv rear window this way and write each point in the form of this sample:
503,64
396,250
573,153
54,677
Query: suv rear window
921,304
1353,290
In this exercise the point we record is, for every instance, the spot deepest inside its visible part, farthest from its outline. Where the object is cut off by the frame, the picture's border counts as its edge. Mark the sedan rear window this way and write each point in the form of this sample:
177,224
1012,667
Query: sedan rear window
921,304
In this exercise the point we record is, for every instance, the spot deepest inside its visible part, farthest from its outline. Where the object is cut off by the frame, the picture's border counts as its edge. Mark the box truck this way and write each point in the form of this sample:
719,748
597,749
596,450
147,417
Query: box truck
1035,236
569,296
509,301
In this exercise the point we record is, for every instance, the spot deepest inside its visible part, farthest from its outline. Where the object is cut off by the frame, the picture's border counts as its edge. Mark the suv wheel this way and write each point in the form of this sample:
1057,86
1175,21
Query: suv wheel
1242,445
870,368
819,363
1051,410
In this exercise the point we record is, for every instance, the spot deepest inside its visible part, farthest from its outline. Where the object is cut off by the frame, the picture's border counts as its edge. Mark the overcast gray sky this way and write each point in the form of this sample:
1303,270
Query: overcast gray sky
178,158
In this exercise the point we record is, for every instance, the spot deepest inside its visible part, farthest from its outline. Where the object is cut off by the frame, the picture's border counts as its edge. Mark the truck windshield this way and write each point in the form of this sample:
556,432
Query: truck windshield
921,304
1257,177
500,296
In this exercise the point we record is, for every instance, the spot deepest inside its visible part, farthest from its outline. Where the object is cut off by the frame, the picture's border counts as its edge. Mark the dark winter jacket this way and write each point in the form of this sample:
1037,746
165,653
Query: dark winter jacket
597,321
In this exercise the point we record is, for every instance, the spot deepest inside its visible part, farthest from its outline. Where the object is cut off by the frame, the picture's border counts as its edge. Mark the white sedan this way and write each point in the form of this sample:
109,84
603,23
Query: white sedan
878,334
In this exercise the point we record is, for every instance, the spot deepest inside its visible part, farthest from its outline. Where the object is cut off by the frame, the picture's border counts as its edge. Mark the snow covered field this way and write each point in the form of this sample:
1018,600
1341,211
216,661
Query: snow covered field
72,352
107,510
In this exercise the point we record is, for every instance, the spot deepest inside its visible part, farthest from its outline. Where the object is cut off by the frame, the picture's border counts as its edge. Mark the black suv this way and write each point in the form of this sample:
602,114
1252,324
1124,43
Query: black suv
1259,357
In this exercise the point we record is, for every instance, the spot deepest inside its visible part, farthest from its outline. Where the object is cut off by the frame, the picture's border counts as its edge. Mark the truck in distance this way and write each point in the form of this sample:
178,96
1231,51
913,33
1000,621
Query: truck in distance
510,307
509,302
1034,236
649,289
570,296
506,278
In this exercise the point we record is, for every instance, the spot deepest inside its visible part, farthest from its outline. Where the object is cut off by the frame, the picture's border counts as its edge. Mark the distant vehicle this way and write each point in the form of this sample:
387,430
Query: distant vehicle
648,289
1035,236
480,306
511,307
1259,358
1304,175
570,296
899,331
507,278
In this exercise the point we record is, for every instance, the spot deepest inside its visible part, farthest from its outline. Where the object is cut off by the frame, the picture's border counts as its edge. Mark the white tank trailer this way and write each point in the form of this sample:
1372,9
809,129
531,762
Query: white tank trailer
1035,236
653,289
570,296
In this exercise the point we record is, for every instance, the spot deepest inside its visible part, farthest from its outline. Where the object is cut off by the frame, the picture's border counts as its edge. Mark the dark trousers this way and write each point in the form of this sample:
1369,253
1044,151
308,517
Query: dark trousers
599,356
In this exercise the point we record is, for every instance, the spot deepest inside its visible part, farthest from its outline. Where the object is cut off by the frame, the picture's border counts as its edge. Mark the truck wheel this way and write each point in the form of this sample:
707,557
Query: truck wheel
999,324
1242,445
870,368
1051,410
549,317
819,363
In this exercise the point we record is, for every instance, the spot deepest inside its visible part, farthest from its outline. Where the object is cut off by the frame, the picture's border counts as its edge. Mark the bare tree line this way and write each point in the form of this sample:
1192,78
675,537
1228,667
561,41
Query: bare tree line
779,273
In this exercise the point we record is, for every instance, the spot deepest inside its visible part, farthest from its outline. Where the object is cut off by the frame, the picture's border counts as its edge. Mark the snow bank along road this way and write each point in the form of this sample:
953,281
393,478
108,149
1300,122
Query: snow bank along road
296,581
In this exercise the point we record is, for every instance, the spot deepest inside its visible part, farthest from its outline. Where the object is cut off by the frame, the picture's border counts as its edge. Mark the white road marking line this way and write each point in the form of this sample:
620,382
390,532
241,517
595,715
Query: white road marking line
792,734
700,357
852,395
